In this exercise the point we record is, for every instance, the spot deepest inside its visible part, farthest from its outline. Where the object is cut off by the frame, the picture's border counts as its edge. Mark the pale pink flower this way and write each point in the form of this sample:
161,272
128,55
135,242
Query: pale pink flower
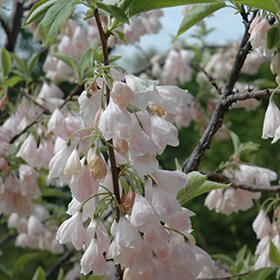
164,204
171,98
142,212
163,133
28,179
84,185
89,105
116,122
257,38
144,91
93,259
261,225
170,181
34,226
28,150
73,164
56,248
121,93
56,123
161,271
41,212
72,230
4,166
271,120
58,162
97,166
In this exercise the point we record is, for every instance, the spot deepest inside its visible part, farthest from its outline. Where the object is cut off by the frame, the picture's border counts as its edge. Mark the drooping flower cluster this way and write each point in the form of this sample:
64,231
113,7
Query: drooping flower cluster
265,231
230,199
146,240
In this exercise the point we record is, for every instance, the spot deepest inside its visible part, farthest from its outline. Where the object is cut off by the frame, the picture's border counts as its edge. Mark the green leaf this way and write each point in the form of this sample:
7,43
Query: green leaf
13,81
114,11
5,62
267,5
113,58
196,14
51,192
235,141
38,10
20,62
56,15
197,184
124,184
273,254
8,273
259,274
66,58
60,274
272,38
248,147
85,59
121,35
39,274
140,6
241,253
21,262
224,258
32,62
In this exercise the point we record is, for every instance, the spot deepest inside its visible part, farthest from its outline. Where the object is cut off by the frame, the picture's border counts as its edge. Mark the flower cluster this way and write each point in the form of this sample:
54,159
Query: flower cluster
265,231
151,231
230,199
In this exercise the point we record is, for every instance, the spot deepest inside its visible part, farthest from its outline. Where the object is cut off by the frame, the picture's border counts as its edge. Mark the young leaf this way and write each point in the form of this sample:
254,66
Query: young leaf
241,253
272,38
140,6
20,62
66,58
273,253
54,18
235,140
198,13
39,274
23,260
267,5
6,62
32,62
259,274
224,258
38,10
51,192
13,81
121,35
114,11
60,275
85,59
197,184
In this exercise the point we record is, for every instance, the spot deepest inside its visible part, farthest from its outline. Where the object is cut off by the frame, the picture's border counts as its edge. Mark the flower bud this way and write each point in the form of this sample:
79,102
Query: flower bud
121,146
127,201
121,94
98,166
275,64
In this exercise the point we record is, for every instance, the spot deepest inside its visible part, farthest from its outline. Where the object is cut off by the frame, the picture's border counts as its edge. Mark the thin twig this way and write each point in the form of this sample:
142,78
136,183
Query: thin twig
7,238
221,109
115,172
66,256
210,79
220,178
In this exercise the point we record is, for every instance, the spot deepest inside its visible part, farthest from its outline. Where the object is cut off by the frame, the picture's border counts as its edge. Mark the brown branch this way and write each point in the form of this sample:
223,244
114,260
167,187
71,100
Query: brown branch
222,108
210,79
77,90
227,277
7,238
115,172
66,256
220,178
6,29
14,25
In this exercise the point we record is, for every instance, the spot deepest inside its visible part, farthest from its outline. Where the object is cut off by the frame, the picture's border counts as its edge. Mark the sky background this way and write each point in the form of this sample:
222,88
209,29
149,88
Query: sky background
228,26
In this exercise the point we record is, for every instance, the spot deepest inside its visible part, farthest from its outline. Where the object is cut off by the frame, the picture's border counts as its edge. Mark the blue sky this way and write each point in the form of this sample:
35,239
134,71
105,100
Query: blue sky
228,26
